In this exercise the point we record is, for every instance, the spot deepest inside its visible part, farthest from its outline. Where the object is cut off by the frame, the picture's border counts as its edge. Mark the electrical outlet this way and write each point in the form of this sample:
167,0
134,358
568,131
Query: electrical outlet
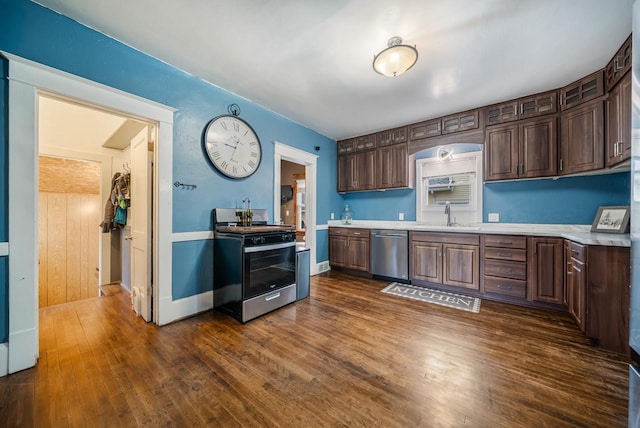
333,216
400,216
494,217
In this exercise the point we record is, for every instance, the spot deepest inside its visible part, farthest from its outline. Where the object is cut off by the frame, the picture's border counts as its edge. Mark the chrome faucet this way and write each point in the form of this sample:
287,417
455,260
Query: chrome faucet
447,212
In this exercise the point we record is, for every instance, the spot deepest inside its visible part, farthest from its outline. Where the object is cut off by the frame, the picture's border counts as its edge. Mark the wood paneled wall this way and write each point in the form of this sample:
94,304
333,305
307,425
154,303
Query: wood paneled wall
68,246
69,215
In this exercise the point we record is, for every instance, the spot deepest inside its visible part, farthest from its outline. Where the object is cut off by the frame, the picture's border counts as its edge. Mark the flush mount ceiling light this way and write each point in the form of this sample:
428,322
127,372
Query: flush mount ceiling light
395,59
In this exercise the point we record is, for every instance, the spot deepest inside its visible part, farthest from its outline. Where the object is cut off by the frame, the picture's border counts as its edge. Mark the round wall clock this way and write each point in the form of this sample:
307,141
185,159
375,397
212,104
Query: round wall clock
232,146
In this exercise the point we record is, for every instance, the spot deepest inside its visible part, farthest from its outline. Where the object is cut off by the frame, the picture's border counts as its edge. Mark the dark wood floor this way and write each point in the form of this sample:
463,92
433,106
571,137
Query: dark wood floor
347,356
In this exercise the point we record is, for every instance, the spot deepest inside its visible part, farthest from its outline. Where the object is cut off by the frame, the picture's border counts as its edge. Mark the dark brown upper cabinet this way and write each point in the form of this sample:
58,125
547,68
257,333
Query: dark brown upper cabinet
618,66
522,108
538,105
501,113
501,159
366,142
580,91
521,150
345,146
460,122
393,167
429,128
582,138
356,171
618,117
392,136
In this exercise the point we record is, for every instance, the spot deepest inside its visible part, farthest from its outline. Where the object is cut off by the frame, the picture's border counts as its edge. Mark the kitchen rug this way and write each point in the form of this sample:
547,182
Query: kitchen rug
443,298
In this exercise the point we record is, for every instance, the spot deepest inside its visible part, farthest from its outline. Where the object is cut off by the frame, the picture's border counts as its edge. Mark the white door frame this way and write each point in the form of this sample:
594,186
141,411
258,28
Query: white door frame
310,161
26,79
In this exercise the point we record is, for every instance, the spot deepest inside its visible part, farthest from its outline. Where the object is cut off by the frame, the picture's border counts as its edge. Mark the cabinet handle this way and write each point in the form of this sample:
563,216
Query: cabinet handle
505,254
560,98
569,273
505,270
521,169
560,164
615,149
515,166
356,233
616,64
504,287
505,242
521,109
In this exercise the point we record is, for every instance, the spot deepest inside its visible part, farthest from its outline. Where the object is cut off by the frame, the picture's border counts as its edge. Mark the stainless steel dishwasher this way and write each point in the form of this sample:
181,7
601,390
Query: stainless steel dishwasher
390,254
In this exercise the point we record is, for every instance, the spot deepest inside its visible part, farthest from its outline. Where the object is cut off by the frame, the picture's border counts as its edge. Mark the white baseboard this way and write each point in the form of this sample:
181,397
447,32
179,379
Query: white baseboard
4,359
24,352
174,310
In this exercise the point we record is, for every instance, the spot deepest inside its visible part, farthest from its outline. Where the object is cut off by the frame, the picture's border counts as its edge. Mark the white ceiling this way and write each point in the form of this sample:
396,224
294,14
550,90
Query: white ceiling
74,127
310,60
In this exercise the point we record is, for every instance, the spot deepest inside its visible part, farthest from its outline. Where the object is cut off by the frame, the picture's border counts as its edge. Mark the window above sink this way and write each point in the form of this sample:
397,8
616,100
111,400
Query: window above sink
450,175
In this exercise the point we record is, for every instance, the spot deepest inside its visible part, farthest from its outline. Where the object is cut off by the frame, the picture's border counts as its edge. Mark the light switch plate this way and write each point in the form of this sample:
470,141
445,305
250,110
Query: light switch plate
494,217
332,216
400,216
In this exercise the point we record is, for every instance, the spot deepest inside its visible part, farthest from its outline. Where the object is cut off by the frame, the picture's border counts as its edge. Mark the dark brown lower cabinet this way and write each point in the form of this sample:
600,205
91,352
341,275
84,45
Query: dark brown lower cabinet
504,270
576,282
349,248
445,258
545,274
426,264
608,278
460,265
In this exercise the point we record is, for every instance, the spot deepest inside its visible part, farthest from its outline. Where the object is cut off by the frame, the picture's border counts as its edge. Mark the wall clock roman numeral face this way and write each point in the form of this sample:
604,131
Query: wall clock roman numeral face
232,146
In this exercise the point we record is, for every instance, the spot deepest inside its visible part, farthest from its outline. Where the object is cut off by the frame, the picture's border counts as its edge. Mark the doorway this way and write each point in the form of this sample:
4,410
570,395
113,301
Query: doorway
26,80
293,198
84,197
299,160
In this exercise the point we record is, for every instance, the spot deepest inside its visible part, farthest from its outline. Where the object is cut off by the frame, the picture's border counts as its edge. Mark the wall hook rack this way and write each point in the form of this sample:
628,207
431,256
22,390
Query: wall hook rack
185,186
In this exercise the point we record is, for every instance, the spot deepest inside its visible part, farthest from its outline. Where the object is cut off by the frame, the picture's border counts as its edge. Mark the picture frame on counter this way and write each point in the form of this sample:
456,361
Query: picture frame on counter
611,219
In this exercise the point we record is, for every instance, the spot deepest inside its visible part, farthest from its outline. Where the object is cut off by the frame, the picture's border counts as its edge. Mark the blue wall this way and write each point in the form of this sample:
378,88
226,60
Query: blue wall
568,200
192,261
38,34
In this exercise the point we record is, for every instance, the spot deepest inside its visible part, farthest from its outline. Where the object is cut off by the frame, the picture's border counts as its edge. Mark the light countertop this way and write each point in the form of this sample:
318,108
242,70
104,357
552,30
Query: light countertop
577,233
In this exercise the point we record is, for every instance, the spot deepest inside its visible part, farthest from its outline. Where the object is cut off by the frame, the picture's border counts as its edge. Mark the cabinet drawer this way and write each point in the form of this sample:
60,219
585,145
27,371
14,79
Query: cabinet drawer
364,233
505,269
505,241
578,252
505,254
338,231
447,238
507,287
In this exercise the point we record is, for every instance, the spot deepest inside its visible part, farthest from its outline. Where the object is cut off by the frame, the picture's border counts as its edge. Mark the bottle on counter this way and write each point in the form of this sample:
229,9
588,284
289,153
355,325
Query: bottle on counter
347,215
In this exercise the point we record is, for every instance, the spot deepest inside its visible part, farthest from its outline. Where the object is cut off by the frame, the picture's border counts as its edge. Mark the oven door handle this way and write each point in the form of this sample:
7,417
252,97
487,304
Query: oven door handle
259,248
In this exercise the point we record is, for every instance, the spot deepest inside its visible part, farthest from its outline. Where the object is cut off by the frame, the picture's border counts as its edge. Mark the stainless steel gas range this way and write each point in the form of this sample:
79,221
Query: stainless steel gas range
254,266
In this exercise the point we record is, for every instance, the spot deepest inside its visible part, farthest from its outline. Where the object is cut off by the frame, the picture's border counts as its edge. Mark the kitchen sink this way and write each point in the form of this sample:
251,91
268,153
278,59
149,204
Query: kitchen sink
464,227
